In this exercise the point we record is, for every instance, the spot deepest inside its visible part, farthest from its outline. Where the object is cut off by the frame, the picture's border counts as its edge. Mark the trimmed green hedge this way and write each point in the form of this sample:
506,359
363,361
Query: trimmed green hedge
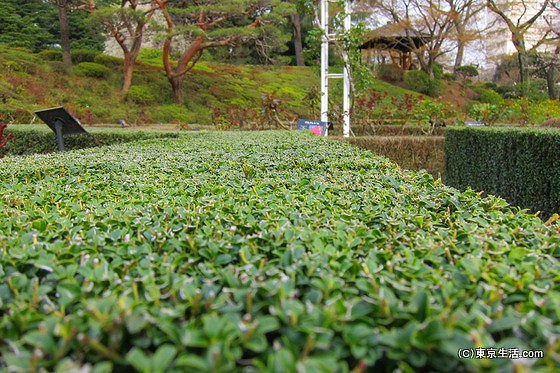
519,164
264,252
40,139
410,152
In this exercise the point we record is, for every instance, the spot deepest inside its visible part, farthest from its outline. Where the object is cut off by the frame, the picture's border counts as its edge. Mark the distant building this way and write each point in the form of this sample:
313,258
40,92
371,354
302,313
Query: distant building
499,40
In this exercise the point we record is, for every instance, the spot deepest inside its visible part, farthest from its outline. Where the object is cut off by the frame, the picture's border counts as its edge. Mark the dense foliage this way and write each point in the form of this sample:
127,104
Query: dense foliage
519,164
28,139
34,24
263,252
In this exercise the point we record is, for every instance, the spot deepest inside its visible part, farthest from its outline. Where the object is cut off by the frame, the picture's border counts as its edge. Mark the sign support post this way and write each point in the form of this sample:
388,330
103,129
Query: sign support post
58,124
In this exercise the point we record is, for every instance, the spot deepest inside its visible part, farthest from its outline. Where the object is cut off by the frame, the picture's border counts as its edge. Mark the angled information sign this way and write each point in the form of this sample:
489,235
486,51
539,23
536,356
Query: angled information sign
61,122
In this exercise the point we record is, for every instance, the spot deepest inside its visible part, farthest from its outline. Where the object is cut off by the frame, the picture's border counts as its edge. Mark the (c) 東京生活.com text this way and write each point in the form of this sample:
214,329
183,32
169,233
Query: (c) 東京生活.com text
499,353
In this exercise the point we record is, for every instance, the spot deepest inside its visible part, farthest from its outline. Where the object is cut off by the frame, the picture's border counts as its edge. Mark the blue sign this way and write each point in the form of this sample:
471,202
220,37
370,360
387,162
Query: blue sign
315,126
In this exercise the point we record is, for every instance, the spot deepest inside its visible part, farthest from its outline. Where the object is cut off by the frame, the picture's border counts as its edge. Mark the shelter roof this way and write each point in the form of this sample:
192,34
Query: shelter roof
394,36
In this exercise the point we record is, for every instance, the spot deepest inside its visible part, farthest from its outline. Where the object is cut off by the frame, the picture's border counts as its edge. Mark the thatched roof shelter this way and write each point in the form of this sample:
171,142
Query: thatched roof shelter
396,41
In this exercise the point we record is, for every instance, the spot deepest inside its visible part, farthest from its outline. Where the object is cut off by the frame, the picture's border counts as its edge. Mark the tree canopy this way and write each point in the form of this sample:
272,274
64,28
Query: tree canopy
34,24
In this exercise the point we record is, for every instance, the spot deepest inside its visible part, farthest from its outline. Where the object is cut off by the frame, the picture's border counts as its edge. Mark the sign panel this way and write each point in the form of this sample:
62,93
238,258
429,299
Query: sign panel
61,122
315,126
69,124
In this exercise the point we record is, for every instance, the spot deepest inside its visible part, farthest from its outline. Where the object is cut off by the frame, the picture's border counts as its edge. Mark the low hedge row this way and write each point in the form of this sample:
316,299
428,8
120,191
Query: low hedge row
410,152
264,252
34,139
518,164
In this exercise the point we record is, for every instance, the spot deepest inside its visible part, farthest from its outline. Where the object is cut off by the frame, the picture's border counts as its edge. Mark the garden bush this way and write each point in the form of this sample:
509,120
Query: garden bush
410,152
518,164
390,73
141,94
51,54
109,61
92,70
34,139
466,72
264,252
83,55
489,96
417,80
554,122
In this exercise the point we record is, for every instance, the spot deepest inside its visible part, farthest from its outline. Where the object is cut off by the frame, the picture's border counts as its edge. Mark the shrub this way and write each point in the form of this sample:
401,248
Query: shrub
507,91
50,55
489,96
40,139
417,80
151,56
555,122
390,72
437,87
141,95
225,252
59,67
410,152
83,55
438,71
466,72
518,164
172,113
491,85
92,70
487,113
109,61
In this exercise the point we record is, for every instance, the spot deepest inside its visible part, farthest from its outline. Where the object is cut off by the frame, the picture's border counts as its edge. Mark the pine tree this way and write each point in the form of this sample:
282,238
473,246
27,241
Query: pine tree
194,26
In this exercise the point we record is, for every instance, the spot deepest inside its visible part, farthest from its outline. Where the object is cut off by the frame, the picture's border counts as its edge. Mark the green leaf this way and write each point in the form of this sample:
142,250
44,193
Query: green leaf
139,360
103,367
505,323
163,357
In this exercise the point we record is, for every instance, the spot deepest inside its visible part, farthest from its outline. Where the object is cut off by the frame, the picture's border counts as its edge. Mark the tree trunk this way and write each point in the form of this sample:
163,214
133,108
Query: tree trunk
64,31
298,43
551,74
522,58
518,39
177,87
128,69
459,56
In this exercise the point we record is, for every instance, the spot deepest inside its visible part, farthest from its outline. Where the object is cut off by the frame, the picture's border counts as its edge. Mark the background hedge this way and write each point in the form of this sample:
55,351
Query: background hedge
410,152
34,139
519,164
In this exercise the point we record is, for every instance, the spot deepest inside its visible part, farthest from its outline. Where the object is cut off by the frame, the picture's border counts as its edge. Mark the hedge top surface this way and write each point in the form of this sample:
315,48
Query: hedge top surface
274,251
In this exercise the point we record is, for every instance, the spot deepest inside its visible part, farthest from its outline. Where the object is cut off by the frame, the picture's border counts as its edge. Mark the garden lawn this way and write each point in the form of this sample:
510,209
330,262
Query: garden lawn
276,251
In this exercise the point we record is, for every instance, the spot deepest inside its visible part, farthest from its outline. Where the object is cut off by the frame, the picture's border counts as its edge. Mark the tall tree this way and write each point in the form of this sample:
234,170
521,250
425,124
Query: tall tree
518,24
27,24
199,25
126,23
551,60
468,25
62,6
297,27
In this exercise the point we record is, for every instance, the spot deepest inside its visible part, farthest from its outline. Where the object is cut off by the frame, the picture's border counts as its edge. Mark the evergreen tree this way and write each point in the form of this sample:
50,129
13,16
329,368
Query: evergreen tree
194,26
